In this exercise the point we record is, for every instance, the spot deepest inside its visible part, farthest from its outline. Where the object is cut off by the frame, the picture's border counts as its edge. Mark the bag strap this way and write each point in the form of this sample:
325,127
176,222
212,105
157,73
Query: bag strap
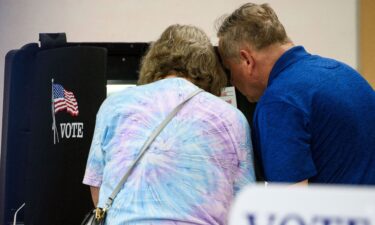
145,147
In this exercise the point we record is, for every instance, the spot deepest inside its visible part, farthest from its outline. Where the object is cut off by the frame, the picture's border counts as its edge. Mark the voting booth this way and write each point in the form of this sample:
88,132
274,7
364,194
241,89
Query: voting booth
52,92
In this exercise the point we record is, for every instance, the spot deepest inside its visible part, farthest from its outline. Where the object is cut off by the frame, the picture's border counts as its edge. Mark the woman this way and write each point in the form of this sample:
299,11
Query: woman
191,171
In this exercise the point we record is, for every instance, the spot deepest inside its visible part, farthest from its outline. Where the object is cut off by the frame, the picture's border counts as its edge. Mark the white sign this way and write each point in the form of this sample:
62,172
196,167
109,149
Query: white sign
313,205
113,88
229,95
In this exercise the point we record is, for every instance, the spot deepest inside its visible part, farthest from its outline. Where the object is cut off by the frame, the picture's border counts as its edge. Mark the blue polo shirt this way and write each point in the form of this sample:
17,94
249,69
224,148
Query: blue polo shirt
316,121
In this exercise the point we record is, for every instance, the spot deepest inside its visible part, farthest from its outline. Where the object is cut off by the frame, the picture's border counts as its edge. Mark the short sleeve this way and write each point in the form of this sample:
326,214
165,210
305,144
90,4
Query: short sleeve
283,138
245,173
95,162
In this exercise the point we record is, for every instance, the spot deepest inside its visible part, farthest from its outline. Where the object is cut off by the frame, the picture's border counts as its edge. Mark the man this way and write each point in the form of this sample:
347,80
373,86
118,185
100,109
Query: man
315,117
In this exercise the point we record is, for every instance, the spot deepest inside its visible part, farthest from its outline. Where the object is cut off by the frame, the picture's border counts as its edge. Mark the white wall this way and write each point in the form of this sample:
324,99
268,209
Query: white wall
325,27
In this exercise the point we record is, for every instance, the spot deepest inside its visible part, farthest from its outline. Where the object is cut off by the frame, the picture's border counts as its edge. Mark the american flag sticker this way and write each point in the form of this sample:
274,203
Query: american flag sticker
64,100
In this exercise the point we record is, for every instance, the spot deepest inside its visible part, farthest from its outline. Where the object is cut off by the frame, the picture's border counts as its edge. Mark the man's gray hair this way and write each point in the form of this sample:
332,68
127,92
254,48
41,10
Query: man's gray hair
256,25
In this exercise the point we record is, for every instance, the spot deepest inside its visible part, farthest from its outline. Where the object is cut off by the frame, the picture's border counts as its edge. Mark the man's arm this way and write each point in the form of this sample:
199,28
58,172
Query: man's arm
94,194
301,183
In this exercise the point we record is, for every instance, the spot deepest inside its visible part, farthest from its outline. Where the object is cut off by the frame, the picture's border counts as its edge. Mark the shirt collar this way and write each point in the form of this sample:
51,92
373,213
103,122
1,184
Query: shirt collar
289,57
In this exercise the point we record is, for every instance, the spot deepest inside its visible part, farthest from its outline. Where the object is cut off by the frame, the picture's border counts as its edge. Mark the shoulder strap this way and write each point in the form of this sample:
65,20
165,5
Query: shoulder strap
145,146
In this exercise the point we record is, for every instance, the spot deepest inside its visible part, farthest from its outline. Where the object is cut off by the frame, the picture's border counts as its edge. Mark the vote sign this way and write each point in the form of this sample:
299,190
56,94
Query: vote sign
313,205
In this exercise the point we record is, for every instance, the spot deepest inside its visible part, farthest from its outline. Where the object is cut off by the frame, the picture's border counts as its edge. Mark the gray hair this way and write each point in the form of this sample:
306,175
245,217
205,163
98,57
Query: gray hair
187,52
255,24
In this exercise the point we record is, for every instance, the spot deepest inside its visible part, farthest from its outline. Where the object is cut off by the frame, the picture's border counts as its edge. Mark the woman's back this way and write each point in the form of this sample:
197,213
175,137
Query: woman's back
190,172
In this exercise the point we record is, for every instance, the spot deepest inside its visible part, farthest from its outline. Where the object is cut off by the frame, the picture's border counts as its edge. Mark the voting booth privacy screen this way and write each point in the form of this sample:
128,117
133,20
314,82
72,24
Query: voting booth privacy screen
51,98
52,92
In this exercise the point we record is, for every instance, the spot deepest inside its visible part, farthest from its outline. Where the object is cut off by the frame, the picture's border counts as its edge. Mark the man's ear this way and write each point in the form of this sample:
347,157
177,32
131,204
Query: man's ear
247,59
246,56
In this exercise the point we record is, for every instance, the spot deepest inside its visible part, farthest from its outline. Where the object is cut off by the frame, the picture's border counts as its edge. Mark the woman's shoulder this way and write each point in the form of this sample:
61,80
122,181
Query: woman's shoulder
220,107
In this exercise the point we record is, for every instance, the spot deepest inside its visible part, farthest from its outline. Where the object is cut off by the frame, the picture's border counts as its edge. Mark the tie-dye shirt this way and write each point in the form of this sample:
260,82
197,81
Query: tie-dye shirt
192,170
